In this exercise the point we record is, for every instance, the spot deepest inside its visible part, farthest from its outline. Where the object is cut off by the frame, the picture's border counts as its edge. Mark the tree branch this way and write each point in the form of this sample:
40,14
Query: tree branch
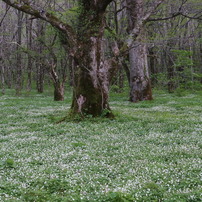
7,9
152,9
25,7
166,18
102,4
141,21
180,12
121,9
175,15
192,18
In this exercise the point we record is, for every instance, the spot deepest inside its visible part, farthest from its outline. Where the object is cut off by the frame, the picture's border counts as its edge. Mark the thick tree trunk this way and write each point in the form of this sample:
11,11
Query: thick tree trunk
58,86
58,92
140,85
91,89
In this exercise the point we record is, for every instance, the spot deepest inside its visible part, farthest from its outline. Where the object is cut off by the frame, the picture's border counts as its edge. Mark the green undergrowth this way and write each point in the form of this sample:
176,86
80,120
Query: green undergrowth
151,151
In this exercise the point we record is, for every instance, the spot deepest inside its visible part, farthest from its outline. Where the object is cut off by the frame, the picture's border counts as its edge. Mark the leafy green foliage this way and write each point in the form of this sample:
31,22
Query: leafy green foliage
183,58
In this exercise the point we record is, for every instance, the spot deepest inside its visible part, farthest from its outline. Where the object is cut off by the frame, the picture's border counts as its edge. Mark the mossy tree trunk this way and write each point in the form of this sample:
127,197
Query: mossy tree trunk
91,90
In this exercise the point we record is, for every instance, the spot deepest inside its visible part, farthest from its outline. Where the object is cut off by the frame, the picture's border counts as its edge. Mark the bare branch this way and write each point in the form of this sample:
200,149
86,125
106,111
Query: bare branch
7,9
166,18
180,12
192,17
25,7
195,17
141,21
152,9
121,9
102,4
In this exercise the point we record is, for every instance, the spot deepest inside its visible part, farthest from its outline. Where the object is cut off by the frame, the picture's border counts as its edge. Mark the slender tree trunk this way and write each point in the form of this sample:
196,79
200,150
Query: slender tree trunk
29,46
19,55
39,64
153,66
121,79
170,72
40,76
9,75
2,77
2,72
3,54
127,70
71,71
200,50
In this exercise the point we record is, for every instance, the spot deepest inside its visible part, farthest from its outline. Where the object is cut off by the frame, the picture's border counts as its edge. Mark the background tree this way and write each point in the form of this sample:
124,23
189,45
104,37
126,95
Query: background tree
174,33
29,41
34,54
140,85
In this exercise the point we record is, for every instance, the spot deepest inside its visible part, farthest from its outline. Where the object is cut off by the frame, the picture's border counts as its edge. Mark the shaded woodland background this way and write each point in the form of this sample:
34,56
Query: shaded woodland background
32,57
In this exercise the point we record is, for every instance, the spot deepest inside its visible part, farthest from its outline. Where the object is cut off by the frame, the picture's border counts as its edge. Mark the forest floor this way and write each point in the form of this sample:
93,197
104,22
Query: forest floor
152,151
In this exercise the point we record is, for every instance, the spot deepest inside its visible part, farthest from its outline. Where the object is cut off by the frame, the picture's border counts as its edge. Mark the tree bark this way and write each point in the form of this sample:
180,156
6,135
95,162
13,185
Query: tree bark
140,85
91,90
58,86
58,92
